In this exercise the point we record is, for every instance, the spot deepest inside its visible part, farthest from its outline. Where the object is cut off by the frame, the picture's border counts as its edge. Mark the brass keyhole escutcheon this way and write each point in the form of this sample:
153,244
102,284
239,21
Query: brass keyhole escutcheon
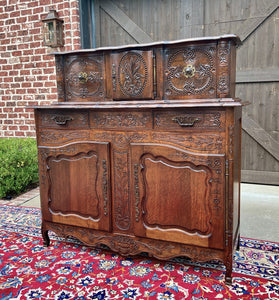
189,71
82,77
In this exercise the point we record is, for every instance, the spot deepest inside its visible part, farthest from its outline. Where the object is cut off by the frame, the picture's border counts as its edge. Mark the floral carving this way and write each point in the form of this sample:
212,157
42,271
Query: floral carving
132,74
122,189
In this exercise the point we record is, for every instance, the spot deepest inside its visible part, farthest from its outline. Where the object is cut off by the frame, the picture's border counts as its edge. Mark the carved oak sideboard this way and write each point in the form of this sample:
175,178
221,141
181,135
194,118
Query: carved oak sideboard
142,151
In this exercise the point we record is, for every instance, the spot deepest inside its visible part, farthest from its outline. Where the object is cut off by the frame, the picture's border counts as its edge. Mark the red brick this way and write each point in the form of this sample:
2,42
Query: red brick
19,133
49,71
7,67
17,53
20,91
21,19
38,10
8,133
50,83
25,12
40,51
25,72
18,79
15,14
38,84
26,84
15,85
28,52
24,127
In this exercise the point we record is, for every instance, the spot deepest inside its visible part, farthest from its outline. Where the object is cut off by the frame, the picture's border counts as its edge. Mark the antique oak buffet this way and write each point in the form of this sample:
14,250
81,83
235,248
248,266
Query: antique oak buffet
142,151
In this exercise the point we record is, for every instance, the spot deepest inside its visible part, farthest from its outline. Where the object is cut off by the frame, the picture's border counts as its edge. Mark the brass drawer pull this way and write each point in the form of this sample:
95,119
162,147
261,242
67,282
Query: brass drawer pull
61,119
82,77
186,121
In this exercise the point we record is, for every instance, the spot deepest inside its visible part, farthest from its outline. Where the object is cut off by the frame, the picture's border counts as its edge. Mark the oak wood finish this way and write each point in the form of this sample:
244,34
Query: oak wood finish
147,170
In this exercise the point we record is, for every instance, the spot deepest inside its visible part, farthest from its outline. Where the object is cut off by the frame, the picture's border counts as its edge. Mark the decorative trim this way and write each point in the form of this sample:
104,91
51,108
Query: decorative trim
105,187
137,198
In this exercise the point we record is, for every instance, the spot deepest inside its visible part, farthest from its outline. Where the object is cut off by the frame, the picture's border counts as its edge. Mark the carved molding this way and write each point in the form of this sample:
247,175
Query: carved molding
136,187
123,120
105,187
213,142
126,245
122,200
55,137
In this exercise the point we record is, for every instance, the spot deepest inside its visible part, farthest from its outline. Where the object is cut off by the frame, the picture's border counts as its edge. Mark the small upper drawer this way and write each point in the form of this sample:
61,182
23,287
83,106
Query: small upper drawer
63,119
183,119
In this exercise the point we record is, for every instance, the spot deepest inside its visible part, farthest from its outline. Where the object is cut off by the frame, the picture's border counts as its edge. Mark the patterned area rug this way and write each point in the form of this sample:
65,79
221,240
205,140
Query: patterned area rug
69,270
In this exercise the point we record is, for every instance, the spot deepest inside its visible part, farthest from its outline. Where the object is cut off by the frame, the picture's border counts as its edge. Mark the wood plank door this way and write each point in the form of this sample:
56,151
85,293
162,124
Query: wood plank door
119,22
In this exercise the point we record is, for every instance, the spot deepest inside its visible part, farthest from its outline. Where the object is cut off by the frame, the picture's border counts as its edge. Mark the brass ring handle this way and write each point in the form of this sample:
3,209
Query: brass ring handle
83,77
186,121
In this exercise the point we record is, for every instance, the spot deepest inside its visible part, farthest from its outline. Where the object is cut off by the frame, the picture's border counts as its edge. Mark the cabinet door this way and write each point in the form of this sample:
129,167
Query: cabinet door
178,196
132,75
75,183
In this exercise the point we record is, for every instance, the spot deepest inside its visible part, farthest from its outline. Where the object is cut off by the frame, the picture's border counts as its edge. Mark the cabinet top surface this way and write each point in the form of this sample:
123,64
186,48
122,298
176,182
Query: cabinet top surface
164,104
207,39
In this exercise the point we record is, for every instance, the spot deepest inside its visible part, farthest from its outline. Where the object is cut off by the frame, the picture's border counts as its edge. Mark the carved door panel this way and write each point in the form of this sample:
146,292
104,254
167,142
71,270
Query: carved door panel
132,75
75,184
178,196
84,78
190,72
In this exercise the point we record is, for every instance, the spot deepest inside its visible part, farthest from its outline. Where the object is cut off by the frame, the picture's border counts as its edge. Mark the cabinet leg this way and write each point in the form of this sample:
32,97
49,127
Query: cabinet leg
228,275
46,240
238,244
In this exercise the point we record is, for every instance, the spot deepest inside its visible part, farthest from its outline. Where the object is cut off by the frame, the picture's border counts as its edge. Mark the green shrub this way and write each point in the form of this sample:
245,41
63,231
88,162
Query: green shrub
18,165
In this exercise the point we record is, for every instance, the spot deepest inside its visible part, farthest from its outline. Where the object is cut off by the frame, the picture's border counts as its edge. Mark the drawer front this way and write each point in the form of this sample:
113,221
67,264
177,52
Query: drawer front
182,120
132,75
121,120
63,119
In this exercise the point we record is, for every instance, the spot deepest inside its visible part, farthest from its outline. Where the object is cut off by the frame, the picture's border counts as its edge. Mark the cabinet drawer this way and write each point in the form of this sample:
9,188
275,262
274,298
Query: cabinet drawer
121,119
181,120
63,119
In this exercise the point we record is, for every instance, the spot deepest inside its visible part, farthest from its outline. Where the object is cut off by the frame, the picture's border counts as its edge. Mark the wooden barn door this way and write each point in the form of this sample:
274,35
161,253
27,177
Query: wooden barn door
119,22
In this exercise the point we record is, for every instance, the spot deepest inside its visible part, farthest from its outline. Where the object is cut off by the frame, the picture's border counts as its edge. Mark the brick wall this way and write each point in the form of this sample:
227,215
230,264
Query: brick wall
27,72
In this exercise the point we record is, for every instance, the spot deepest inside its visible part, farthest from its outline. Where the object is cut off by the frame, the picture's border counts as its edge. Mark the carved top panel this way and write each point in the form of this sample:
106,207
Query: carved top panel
198,68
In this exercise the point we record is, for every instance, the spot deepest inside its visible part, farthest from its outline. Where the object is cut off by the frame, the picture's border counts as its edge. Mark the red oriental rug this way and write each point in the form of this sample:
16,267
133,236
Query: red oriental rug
69,270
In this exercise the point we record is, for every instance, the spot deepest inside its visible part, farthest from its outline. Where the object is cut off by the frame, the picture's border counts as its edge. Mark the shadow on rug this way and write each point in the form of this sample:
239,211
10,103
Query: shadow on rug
69,270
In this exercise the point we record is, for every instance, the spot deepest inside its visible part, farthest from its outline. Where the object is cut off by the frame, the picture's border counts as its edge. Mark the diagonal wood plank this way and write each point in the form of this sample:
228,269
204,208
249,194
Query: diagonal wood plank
124,21
260,136
247,27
